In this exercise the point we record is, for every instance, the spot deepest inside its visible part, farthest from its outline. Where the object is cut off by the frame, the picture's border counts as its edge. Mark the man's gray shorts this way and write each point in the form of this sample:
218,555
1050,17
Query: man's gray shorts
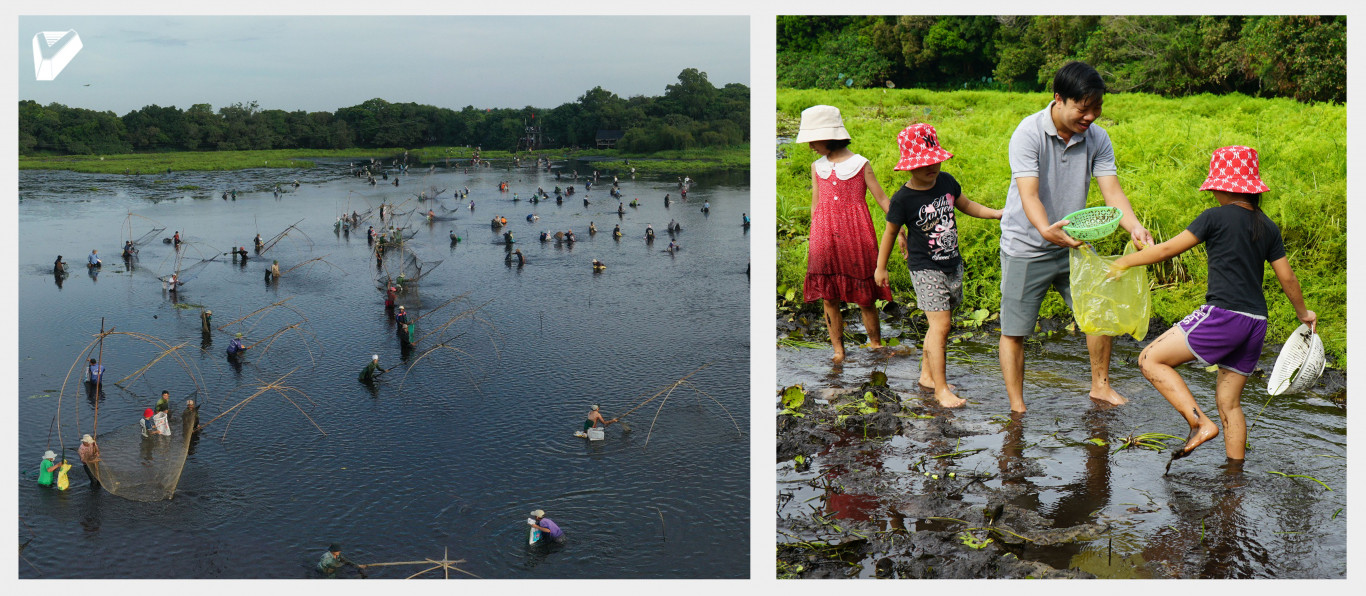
1024,283
936,290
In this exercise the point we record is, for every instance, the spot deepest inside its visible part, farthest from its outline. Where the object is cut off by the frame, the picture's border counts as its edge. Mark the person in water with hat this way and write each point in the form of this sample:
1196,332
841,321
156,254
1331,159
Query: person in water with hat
548,527
926,206
149,426
371,370
595,418
235,347
90,454
1054,154
332,560
1229,329
842,252
47,467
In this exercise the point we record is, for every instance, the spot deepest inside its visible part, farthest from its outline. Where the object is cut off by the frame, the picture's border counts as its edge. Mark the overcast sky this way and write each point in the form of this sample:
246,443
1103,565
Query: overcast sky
322,63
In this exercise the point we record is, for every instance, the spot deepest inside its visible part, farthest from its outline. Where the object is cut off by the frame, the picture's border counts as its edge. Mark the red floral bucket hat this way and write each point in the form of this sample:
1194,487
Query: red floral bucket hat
1234,169
919,145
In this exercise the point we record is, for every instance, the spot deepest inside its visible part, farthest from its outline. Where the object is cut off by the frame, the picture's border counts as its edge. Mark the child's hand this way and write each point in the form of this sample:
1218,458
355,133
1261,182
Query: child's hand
901,245
1116,270
1311,319
880,278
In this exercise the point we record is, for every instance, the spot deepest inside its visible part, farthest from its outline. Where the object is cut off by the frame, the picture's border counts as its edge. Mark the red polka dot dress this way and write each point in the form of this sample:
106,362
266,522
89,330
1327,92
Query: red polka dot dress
842,251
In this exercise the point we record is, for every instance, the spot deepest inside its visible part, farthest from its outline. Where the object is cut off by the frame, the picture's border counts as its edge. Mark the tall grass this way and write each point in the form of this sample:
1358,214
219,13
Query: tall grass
1162,148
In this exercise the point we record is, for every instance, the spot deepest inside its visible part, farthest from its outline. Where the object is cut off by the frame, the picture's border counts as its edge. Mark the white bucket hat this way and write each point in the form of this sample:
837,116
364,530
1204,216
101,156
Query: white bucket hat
821,123
49,454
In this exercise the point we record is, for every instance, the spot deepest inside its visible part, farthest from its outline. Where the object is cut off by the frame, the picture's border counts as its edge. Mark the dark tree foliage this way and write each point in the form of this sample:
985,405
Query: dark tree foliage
1303,57
691,113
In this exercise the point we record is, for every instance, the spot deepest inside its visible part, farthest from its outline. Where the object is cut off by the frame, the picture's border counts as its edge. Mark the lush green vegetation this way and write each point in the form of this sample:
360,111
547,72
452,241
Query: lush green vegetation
690,114
1162,147
1303,57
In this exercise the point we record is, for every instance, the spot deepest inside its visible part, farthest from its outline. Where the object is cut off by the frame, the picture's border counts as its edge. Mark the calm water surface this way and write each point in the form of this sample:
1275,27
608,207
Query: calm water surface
455,453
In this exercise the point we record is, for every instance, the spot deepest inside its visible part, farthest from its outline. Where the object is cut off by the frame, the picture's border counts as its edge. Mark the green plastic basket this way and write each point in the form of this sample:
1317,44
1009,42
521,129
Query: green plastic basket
1093,224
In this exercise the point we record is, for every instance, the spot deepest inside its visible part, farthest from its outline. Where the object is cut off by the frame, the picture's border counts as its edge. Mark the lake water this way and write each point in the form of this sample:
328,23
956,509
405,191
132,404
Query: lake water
451,455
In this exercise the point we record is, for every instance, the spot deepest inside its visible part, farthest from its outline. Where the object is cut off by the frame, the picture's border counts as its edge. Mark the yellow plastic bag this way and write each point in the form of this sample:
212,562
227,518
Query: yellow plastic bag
1104,307
63,481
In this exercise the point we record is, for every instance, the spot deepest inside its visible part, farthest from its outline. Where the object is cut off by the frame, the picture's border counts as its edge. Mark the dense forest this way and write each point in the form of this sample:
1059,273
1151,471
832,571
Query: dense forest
691,113
1302,57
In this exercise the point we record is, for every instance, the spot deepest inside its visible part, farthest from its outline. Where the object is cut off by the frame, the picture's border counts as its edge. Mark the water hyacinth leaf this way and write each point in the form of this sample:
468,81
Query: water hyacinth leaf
790,295
794,397
878,379
1097,441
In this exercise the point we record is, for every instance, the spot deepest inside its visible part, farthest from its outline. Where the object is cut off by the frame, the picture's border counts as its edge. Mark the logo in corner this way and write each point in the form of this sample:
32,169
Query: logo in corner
52,51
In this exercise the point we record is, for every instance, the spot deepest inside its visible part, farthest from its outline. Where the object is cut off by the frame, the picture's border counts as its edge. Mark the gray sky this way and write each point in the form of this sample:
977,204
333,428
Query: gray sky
322,63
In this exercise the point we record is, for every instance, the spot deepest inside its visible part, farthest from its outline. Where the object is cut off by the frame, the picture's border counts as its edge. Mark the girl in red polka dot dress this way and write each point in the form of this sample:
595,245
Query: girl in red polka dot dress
1228,330
842,251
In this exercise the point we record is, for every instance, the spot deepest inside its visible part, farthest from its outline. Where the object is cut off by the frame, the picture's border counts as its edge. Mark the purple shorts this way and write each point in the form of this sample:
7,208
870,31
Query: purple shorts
1230,339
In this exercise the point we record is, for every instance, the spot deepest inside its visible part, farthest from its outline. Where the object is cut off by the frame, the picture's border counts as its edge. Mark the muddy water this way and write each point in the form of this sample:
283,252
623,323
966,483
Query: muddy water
455,453
1088,510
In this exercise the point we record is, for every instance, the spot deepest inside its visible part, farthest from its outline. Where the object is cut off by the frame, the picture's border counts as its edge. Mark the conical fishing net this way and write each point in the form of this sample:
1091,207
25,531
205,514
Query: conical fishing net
141,468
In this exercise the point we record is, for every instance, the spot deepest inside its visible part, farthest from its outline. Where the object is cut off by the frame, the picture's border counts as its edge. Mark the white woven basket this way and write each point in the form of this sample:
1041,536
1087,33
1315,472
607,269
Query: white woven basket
1300,364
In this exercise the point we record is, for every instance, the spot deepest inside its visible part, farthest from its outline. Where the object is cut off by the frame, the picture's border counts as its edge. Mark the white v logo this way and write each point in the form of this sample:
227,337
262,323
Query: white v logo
52,51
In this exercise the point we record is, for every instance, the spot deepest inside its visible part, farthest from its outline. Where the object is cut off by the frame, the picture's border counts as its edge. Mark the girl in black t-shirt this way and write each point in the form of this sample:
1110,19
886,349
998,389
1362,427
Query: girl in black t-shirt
1229,329
925,207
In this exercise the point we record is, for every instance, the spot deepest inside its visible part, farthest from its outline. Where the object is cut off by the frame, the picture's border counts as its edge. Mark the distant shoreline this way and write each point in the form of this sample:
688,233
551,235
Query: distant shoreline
690,161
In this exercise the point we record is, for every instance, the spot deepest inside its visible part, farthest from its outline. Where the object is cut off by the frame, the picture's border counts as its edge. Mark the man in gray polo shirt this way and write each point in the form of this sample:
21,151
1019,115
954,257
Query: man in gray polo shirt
1054,153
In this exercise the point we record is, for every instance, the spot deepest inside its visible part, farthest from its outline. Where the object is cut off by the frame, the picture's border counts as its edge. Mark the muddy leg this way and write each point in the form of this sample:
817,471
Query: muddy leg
932,359
871,324
1012,370
1158,362
1099,346
926,378
1228,394
834,324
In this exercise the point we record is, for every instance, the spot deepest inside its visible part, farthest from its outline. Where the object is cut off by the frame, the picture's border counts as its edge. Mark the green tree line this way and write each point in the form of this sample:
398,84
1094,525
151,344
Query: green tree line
1300,57
691,113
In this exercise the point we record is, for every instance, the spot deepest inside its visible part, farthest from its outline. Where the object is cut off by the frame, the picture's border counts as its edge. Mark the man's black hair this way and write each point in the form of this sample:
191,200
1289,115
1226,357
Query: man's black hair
1078,81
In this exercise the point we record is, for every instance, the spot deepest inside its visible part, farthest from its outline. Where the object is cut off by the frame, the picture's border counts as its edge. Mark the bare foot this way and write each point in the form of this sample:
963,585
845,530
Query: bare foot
838,358
1205,430
929,384
947,399
1109,396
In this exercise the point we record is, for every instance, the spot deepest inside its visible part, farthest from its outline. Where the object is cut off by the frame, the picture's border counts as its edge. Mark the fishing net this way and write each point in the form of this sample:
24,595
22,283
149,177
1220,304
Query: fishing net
415,269
145,238
141,468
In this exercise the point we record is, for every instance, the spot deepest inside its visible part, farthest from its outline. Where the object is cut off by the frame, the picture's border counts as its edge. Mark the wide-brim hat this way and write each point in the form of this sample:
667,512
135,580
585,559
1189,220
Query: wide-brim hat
536,513
49,454
821,123
919,144
87,439
1234,169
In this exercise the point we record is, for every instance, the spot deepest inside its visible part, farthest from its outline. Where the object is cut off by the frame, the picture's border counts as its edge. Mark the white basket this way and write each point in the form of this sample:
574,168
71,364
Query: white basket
596,433
1300,364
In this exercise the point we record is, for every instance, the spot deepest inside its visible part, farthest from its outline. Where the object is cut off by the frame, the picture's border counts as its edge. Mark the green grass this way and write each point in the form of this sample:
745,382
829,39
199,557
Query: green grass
1162,148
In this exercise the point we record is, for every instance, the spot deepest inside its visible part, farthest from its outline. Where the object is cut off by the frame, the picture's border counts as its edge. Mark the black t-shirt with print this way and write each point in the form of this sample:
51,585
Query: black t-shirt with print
931,228
1235,259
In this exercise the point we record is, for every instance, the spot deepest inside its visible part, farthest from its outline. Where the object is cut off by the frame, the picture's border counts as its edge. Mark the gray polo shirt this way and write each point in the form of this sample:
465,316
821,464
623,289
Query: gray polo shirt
1064,170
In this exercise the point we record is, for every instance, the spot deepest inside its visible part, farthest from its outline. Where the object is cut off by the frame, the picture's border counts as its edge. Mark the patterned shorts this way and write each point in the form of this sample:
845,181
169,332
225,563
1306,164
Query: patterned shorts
936,290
